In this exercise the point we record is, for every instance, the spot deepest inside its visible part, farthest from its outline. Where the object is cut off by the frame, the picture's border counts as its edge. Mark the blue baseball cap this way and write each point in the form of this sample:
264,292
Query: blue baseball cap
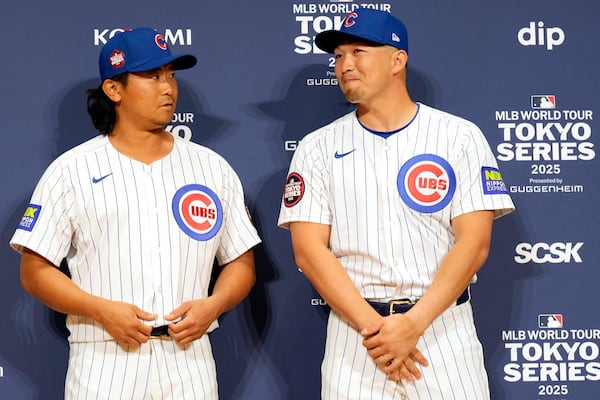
137,50
366,24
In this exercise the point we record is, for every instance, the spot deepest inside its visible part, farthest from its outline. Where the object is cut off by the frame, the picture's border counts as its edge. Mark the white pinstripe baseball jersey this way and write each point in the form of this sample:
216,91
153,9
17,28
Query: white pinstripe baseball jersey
142,234
390,201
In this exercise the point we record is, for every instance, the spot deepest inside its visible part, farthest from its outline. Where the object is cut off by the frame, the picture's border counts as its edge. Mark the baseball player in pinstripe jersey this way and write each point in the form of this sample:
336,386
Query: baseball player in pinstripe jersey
390,210
140,216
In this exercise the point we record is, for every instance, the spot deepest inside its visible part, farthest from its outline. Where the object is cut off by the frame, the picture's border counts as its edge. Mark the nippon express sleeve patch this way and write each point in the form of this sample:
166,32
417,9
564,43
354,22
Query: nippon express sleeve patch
32,212
492,182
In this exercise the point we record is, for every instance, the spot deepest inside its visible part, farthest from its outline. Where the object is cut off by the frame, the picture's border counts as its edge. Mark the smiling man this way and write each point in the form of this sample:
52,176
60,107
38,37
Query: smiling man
390,209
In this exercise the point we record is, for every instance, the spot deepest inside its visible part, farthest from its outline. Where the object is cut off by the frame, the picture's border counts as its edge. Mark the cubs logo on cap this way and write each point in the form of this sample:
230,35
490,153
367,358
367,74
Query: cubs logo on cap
366,24
137,50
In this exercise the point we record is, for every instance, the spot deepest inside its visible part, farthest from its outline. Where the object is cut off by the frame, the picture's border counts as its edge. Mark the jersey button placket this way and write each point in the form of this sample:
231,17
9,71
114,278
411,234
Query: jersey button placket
152,215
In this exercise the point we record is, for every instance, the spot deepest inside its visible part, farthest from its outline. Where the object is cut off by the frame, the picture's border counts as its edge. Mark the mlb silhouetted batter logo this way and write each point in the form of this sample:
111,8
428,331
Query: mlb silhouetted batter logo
550,320
426,183
544,102
198,211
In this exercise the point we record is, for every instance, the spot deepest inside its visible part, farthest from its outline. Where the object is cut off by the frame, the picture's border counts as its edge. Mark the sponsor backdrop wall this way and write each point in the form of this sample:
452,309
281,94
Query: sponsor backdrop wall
525,72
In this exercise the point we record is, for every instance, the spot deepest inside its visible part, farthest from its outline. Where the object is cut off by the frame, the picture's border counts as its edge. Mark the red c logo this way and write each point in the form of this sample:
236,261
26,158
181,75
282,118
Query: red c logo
189,211
348,21
417,183
160,41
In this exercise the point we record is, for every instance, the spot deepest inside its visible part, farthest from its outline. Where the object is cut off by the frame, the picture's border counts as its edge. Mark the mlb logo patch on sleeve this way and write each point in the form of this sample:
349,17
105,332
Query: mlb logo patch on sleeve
492,181
32,212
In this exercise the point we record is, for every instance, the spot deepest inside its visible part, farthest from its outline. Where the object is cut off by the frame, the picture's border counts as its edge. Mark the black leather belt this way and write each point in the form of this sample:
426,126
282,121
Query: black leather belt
158,331
401,306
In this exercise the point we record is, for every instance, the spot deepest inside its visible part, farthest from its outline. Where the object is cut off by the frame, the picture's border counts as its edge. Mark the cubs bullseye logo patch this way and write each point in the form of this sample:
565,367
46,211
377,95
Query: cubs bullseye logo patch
294,189
426,183
198,211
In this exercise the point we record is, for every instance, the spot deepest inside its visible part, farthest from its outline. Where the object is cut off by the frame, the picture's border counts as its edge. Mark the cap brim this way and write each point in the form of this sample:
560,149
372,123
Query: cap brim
329,40
179,62
184,62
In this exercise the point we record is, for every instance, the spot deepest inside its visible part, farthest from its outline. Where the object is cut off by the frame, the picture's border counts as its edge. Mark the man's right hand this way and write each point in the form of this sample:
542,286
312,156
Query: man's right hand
393,347
124,322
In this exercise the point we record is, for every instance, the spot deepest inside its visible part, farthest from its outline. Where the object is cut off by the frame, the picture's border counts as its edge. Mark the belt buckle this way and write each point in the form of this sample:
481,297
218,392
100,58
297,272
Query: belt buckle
160,332
401,302
160,337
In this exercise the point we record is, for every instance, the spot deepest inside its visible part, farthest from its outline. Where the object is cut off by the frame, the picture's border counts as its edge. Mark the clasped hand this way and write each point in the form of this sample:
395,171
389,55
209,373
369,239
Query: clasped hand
125,322
392,345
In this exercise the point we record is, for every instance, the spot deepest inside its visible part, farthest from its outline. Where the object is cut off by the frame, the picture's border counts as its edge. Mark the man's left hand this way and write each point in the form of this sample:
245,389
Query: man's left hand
195,318
393,347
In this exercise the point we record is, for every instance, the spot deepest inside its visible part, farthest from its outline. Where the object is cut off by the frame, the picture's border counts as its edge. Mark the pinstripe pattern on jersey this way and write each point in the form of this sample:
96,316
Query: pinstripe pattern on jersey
111,218
119,235
153,370
391,250
388,249
456,369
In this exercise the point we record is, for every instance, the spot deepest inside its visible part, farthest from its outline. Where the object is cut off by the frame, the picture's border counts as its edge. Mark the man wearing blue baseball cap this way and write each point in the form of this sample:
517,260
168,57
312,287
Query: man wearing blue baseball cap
139,216
390,212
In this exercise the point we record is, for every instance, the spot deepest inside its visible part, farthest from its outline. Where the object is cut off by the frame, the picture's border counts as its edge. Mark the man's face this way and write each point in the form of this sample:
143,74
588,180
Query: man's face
149,98
362,70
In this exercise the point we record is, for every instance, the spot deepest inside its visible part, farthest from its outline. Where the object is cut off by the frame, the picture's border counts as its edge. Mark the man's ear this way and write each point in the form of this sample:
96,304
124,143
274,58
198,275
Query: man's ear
111,90
400,59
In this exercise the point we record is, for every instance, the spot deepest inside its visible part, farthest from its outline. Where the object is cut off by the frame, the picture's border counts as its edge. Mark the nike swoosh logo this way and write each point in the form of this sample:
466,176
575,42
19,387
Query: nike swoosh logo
340,155
96,180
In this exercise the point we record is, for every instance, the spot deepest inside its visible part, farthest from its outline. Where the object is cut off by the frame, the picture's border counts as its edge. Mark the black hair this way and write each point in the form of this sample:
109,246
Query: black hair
101,108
